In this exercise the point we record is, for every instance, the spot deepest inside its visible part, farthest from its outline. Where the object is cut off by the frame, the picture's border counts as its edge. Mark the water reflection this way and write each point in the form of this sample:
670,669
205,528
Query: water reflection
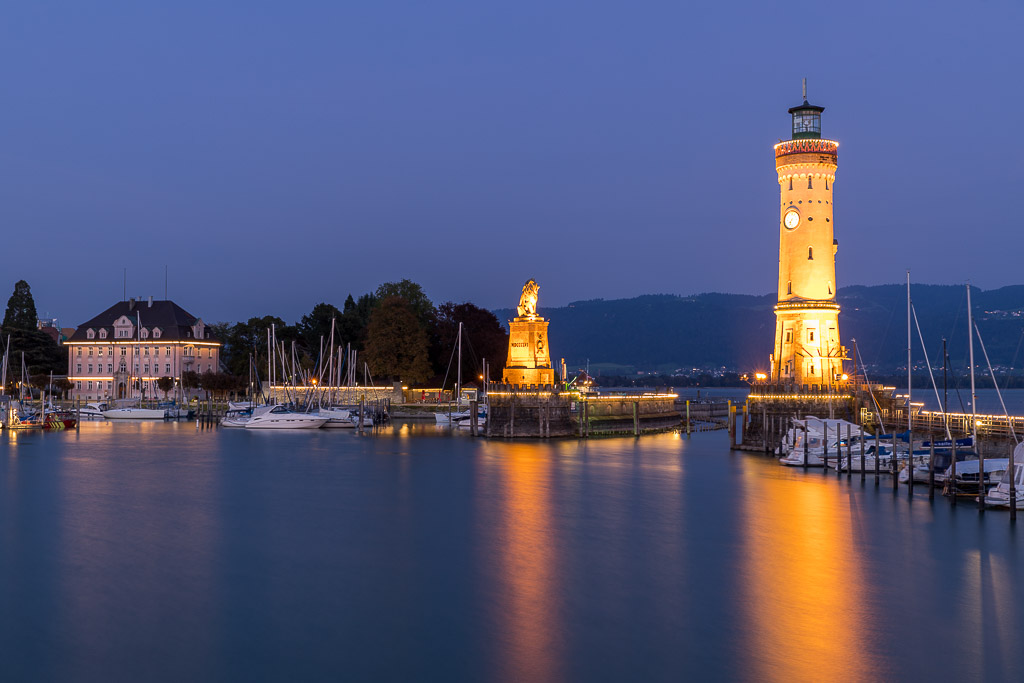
516,486
803,580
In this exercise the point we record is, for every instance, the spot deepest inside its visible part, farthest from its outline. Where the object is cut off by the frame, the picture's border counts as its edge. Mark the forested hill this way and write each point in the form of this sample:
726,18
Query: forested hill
665,332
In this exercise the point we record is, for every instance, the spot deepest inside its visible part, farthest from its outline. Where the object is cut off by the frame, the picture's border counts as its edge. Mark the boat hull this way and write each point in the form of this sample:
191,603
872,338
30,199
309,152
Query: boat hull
134,414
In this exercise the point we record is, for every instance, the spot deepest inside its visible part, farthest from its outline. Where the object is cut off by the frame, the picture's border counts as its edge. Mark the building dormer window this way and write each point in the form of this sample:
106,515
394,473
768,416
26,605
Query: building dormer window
156,333
103,333
90,333
145,333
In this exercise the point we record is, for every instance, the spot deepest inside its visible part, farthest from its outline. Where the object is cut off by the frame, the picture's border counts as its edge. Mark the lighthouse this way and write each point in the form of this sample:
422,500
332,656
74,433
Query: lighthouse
807,349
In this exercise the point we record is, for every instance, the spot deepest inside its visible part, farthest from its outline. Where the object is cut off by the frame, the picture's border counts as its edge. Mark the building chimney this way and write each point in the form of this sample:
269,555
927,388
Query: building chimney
150,301
131,304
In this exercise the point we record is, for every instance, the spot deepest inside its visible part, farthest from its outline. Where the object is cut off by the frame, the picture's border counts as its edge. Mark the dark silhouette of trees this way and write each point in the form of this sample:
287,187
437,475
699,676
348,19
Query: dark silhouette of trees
165,384
396,344
483,337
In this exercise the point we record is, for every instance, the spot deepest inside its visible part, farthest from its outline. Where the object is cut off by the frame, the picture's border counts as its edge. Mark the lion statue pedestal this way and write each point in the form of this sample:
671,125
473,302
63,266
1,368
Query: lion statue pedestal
529,360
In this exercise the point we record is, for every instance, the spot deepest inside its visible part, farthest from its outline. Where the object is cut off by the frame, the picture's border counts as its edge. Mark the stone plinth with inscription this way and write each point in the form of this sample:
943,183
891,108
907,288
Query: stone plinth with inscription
529,359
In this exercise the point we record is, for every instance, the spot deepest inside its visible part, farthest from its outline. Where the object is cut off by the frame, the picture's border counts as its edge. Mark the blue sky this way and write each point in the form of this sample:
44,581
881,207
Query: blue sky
275,154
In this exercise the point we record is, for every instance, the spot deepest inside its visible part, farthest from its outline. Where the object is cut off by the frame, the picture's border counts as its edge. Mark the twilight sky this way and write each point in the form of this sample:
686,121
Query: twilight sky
278,154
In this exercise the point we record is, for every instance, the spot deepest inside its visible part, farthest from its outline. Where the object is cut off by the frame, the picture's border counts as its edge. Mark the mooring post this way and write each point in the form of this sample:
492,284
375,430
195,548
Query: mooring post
910,462
824,443
731,422
687,417
805,444
950,484
931,469
895,479
862,472
636,418
78,414
878,455
981,477
849,451
1013,486
472,418
362,412
579,414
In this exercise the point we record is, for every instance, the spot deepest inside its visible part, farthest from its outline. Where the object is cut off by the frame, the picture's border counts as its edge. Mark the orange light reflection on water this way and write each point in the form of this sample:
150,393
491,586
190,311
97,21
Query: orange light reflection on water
803,579
520,475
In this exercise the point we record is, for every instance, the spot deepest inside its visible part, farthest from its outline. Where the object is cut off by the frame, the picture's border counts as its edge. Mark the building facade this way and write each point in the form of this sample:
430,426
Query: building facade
123,351
808,350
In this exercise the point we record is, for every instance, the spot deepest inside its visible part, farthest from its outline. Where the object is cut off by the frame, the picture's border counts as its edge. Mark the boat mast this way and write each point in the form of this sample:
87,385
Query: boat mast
910,416
458,381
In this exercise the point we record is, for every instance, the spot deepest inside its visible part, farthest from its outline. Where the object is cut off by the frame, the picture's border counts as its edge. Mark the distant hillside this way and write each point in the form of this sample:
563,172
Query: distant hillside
665,332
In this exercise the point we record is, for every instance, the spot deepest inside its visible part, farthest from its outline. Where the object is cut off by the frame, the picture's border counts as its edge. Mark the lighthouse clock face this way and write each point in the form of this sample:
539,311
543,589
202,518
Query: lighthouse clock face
791,219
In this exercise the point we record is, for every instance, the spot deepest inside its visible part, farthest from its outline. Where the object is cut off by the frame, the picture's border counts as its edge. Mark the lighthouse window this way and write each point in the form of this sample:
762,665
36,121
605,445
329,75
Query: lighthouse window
791,184
789,336
809,186
810,335
810,253
826,186
789,287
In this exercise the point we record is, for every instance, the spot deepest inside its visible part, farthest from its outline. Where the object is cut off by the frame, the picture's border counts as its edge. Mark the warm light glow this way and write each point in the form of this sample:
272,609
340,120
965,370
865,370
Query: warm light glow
845,377
760,376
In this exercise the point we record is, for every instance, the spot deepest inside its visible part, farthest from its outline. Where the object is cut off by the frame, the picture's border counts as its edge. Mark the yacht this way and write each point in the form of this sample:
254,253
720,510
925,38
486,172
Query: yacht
815,430
337,418
966,480
92,411
236,417
279,417
1000,495
135,413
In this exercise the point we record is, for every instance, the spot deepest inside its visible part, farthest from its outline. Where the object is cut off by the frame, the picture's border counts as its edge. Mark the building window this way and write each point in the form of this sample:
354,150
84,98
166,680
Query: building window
826,186
90,386
167,351
147,368
124,351
79,351
89,334
103,334
810,253
791,183
110,350
810,335
78,368
78,385
110,367
789,336
789,287
809,186
90,368
146,350
812,369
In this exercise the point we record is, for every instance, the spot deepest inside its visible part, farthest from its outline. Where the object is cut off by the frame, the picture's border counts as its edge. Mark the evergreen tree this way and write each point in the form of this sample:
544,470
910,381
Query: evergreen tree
21,309
412,294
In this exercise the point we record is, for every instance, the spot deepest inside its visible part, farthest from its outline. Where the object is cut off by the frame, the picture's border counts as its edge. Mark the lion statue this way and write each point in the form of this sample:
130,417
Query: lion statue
528,301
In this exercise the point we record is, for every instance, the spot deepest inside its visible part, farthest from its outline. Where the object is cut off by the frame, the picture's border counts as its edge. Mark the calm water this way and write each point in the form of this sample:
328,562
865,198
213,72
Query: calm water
156,552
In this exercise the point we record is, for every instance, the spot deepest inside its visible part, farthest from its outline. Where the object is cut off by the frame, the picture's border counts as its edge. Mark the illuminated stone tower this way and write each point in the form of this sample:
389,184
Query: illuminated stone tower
807,346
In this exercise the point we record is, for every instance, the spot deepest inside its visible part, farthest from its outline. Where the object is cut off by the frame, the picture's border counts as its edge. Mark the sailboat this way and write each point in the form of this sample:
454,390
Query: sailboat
451,417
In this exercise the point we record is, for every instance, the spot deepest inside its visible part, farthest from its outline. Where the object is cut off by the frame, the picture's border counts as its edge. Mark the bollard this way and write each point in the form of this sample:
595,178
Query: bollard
362,413
687,417
636,418
472,418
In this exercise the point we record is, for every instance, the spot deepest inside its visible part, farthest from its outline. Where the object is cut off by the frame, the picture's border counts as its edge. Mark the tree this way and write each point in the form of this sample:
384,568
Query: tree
412,294
317,325
165,384
396,344
355,318
483,337
21,309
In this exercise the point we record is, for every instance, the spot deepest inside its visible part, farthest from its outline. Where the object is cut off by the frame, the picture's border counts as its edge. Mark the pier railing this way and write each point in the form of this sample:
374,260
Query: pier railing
996,426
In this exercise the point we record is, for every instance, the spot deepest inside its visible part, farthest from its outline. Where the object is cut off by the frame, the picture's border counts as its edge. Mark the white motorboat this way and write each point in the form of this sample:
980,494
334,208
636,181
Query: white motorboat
337,418
92,411
450,418
135,413
279,417
966,480
1000,495
236,417
815,430
240,405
